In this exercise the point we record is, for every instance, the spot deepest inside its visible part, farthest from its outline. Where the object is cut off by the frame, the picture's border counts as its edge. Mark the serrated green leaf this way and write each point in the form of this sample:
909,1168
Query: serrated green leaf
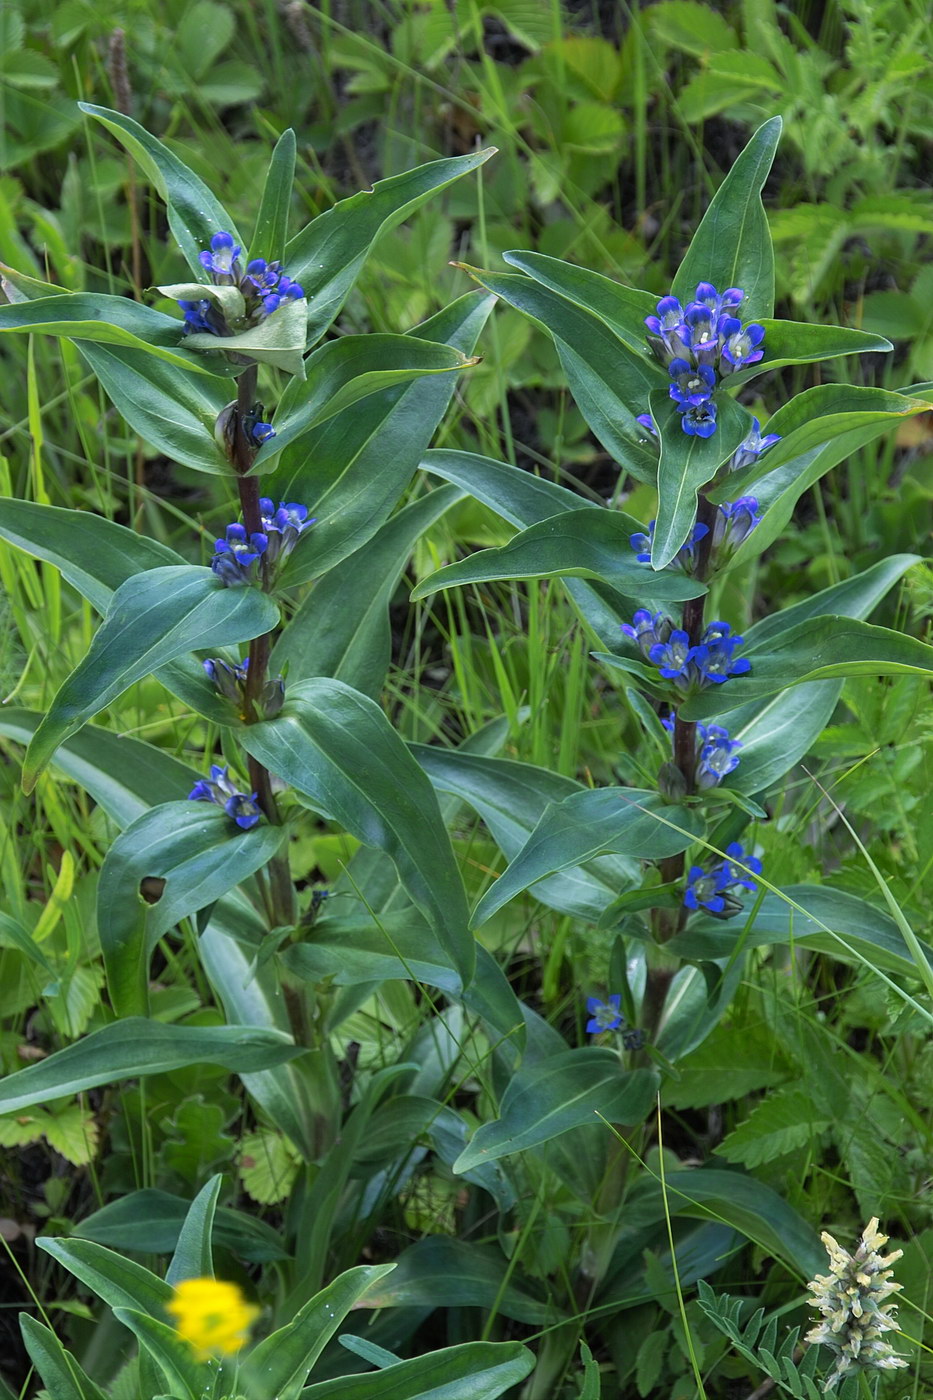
781,1123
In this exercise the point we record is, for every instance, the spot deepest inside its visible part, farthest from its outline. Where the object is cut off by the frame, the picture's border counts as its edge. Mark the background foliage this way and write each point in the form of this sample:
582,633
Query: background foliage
614,127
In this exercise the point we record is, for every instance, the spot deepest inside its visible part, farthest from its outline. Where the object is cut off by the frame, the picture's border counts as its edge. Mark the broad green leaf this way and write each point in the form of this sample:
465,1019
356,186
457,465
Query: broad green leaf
590,823
124,776
353,470
817,649
342,628
136,1046
864,931
106,321
694,28
248,987
817,417
194,215
732,246
192,1257
326,257
687,463
271,231
184,1374
854,597
61,1375
200,853
153,618
342,372
565,1092
338,750
95,555
351,951
152,1221
120,1282
580,543
446,1272
175,414
623,309
511,799
802,342
472,1371
279,1364
610,381
278,340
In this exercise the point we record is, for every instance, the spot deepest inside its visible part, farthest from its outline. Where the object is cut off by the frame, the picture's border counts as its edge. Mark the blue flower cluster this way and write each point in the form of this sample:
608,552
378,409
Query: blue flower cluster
712,889
220,789
230,682
697,341
607,1016
747,452
716,752
237,553
711,662
735,521
263,286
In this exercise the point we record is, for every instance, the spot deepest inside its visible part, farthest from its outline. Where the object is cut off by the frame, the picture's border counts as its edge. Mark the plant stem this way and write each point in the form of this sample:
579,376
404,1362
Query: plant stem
280,882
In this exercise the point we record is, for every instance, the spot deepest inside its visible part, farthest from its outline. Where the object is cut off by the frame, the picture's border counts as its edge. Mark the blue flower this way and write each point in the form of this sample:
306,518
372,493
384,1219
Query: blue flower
707,295
735,521
741,346
220,789
604,1015
686,555
221,258
711,889
262,432
699,421
236,554
690,387
647,630
283,526
648,423
666,330
262,275
703,337
717,755
690,667
201,318
751,449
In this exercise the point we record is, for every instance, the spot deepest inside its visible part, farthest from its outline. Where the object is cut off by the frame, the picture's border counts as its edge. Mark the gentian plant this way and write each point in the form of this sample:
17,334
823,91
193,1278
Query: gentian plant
313,443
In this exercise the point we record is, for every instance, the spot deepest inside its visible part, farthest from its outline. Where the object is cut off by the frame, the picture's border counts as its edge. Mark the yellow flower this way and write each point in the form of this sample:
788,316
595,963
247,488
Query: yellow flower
212,1315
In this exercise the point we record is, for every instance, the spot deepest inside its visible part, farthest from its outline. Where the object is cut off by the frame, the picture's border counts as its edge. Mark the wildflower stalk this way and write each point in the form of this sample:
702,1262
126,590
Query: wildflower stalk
282,890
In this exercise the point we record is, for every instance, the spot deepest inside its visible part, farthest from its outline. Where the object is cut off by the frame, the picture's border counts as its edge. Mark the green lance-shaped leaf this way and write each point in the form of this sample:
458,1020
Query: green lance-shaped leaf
342,628
278,339
95,555
194,215
271,231
732,246
153,618
353,470
813,916
174,413
817,649
185,1376
338,750
120,1282
327,255
200,853
152,1221
342,372
582,544
279,1364
124,776
472,1371
564,1092
193,1257
438,1271
61,1375
136,1046
590,823
687,463
803,342
623,309
815,418
107,320
609,380
511,798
